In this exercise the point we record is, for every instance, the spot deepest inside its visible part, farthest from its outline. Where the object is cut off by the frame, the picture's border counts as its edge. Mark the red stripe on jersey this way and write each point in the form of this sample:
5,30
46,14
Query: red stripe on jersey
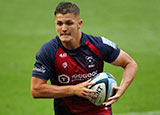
94,49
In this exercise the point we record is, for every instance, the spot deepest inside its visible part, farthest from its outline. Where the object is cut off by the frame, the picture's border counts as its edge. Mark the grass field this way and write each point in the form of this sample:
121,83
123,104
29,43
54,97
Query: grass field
133,24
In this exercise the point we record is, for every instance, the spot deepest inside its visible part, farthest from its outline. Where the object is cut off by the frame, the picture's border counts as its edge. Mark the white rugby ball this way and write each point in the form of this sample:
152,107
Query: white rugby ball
104,83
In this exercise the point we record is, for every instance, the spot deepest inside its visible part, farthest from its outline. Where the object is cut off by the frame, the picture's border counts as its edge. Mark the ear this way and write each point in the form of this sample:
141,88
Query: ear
80,23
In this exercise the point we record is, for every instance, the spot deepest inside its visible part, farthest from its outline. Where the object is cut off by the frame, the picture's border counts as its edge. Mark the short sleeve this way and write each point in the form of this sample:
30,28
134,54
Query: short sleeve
43,67
109,50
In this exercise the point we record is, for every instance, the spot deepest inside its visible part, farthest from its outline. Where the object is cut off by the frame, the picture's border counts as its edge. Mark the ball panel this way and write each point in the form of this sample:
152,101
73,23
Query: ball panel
111,91
100,88
105,81
99,77
110,76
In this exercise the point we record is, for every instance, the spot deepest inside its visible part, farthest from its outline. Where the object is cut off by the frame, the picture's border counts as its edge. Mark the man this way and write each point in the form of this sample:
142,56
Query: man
70,60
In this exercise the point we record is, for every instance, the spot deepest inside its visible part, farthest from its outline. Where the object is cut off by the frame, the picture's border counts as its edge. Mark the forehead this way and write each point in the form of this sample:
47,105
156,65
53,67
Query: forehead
66,17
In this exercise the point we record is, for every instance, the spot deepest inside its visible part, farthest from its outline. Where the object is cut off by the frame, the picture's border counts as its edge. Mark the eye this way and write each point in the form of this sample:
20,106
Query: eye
59,23
69,23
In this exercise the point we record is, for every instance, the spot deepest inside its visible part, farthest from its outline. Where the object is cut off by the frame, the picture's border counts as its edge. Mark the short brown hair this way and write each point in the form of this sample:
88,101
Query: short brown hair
67,7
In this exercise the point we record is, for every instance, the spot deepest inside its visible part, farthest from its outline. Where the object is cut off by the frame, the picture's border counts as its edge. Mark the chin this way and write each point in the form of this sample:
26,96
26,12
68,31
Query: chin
65,39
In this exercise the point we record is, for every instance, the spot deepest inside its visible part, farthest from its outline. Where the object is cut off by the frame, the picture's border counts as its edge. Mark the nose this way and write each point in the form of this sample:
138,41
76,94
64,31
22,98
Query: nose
64,28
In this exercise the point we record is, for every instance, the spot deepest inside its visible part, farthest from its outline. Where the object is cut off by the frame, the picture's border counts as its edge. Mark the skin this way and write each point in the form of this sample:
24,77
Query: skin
68,29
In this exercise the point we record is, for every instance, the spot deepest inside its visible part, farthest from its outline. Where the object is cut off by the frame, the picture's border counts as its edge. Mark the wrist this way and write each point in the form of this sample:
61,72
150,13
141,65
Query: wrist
72,89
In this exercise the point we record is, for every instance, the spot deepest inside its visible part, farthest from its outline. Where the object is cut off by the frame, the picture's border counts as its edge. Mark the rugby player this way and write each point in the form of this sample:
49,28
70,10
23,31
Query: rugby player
70,60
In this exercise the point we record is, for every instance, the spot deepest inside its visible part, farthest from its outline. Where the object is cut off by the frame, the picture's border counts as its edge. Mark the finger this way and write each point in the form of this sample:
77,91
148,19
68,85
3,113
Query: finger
90,93
89,96
116,88
110,98
90,90
88,82
86,97
109,102
116,96
113,97
91,83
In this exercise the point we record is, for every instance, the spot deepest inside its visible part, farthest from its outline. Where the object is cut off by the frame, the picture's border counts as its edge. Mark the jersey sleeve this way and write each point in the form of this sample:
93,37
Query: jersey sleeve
43,67
109,50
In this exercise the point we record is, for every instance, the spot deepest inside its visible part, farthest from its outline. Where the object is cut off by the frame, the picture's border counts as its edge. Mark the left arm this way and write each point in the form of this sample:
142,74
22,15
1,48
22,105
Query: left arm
130,69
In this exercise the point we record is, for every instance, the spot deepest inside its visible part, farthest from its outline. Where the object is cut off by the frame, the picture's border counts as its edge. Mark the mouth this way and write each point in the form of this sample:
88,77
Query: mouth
65,34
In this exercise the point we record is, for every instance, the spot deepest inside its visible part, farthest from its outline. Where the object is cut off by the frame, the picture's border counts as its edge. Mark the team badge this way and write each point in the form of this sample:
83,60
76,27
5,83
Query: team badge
90,61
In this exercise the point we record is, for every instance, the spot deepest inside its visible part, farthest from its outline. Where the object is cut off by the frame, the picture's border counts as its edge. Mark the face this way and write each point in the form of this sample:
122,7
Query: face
68,26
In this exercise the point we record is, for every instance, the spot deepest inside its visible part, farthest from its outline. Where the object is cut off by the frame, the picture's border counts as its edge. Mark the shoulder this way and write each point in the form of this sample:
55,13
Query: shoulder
48,50
108,49
49,47
100,40
92,39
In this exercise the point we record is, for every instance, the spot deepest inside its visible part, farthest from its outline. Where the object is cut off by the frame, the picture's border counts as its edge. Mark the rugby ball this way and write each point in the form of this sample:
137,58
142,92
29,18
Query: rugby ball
104,83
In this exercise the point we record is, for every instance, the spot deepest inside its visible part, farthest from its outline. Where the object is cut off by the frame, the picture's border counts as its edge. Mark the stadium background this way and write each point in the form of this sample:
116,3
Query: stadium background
133,24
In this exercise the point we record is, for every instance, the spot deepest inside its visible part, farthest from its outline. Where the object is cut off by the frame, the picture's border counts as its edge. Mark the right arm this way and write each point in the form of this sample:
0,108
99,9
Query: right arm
40,89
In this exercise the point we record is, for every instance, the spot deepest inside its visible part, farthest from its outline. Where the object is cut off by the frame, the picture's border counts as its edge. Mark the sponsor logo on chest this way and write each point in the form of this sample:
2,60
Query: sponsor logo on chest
64,79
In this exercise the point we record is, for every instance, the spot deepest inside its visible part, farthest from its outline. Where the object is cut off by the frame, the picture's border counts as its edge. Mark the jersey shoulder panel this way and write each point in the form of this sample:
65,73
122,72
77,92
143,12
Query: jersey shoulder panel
108,49
49,48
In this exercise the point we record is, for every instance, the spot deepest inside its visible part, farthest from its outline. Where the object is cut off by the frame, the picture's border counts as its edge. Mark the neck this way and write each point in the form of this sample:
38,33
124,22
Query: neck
74,43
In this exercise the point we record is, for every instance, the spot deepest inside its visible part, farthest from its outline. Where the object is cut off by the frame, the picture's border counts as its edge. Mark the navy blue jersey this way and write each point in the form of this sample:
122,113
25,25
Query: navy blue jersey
69,67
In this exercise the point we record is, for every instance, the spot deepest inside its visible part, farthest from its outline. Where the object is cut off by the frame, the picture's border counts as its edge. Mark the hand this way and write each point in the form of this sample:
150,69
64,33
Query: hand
114,98
82,90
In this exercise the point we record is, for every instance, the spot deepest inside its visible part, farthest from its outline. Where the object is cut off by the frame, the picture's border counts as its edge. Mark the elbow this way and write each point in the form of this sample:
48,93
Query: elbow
132,65
37,87
135,66
34,93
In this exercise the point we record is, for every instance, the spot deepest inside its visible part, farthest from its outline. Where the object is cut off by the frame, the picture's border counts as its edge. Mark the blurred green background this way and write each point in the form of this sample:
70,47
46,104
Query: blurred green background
133,24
